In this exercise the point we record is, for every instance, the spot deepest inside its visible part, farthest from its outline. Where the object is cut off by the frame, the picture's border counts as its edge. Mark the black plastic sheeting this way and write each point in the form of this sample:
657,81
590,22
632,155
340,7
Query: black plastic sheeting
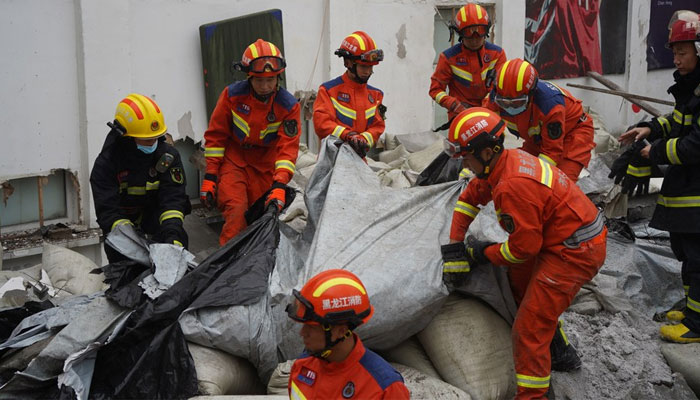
442,169
150,359
123,278
11,317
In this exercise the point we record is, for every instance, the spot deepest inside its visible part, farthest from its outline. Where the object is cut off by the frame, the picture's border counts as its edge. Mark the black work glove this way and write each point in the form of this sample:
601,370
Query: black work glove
358,143
636,179
475,251
172,232
618,170
455,267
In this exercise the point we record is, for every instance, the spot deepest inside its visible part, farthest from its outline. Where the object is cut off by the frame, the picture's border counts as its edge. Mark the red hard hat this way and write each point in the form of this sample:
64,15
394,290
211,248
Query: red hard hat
361,48
515,78
332,297
474,17
473,130
684,26
261,58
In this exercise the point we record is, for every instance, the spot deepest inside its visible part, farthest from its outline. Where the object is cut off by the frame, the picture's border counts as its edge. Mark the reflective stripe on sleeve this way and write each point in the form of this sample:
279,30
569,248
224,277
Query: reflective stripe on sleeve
285,164
122,221
214,151
171,214
672,151
440,96
508,256
455,266
338,131
369,138
466,209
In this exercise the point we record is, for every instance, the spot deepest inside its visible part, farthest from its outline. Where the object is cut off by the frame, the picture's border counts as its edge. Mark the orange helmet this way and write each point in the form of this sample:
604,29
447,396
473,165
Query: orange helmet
361,48
684,26
473,130
261,58
514,81
472,20
332,297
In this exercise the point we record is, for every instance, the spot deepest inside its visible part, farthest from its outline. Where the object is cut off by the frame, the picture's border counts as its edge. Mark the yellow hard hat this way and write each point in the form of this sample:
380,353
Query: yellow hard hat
140,117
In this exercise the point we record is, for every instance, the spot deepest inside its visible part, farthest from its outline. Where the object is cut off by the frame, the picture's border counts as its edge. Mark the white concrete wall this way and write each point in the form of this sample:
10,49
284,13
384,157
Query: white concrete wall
67,63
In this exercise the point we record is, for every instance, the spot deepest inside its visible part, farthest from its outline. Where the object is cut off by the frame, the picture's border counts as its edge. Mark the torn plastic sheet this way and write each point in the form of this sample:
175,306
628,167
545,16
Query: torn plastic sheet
389,237
125,239
442,169
170,263
150,358
88,321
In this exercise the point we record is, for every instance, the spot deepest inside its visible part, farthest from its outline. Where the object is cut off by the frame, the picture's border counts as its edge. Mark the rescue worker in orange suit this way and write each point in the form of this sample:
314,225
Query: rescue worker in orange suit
550,120
252,142
468,67
335,364
138,178
674,141
556,237
347,107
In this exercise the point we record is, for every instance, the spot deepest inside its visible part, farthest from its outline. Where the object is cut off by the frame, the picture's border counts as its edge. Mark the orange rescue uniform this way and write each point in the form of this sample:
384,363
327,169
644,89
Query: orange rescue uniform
343,106
554,127
362,375
540,208
250,144
464,72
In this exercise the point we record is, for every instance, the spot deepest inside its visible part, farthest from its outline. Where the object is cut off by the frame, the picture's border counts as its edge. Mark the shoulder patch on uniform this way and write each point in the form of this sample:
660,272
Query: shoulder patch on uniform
332,83
554,130
291,127
285,99
453,51
238,88
381,371
507,223
176,175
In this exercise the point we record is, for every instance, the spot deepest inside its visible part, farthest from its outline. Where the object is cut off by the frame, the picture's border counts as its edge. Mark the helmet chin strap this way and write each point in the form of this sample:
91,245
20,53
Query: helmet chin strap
326,351
357,78
487,168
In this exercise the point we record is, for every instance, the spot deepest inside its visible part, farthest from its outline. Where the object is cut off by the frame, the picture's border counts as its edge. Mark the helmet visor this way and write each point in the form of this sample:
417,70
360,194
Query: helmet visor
475,31
301,310
451,149
508,102
267,64
372,56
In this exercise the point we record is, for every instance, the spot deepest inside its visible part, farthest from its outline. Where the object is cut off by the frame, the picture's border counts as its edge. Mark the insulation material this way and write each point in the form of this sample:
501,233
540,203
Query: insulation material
470,346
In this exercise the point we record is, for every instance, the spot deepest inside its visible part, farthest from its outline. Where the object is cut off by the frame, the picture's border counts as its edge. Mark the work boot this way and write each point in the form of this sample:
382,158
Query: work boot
564,355
675,315
672,313
679,333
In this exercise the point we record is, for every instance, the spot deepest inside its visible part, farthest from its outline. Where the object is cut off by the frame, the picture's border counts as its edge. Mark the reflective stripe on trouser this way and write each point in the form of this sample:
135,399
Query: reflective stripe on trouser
238,189
544,288
686,249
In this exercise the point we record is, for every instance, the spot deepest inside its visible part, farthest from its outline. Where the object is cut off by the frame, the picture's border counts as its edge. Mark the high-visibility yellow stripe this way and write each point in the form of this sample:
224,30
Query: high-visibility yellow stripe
547,173
295,393
285,164
273,49
152,185
171,214
369,113
521,76
363,47
683,119
534,382
665,125
478,12
503,74
136,190
534,130
463,13
467,117
440,96
122,221
686,288
369,138
639,172
240,123
465,172
271,128
338,130
546,159
253,50
491,65
466,75
335,282
693,305
178,243
679,202
348,112
456,266
508,256
467,209
214,151
672,151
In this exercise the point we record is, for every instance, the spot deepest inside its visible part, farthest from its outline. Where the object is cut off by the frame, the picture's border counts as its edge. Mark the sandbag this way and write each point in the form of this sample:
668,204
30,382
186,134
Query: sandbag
70,271
279,380
392,155
418,161
470,346
411,354
425,387
219,373
685,359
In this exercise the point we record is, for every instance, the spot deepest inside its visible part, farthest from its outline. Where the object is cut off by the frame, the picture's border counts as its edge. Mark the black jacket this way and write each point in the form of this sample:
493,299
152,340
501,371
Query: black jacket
126,184
676,142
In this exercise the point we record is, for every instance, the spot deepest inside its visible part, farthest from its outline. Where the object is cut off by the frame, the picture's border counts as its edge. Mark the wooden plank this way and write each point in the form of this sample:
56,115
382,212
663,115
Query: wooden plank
623,94
612,85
